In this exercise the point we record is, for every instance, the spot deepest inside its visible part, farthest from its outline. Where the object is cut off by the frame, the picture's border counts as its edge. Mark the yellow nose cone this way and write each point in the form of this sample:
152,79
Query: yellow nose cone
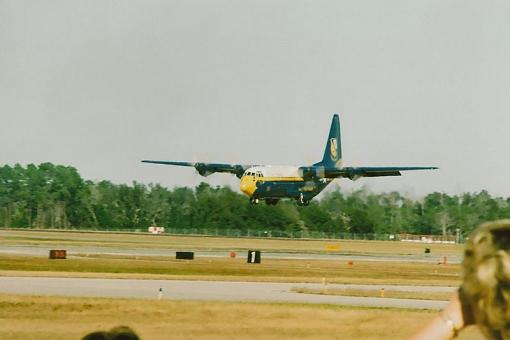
247,185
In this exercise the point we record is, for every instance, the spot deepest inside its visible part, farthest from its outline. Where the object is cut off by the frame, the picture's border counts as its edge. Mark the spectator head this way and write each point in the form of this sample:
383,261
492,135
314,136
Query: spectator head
486,279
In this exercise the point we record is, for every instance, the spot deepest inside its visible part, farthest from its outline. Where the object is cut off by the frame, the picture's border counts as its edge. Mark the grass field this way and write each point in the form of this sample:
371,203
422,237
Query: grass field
32,317
23,317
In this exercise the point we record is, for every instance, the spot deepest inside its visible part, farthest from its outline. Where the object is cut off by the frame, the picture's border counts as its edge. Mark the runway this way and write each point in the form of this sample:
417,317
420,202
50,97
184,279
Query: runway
42,250
211,291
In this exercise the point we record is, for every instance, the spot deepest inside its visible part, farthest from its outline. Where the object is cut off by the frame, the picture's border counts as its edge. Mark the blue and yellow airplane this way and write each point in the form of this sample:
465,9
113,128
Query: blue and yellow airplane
272,183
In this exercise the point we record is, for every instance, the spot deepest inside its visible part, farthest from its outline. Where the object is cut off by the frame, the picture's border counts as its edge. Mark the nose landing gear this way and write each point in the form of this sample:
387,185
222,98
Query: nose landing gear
272,201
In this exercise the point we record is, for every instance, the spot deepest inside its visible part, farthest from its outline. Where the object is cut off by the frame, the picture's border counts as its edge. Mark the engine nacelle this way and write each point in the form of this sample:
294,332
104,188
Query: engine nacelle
202,169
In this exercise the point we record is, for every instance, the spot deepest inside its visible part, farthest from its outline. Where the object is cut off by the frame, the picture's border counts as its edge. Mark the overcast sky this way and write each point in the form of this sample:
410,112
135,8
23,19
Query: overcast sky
100,85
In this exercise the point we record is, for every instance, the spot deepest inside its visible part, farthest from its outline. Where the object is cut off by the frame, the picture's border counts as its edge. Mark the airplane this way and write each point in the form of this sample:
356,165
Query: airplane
302,183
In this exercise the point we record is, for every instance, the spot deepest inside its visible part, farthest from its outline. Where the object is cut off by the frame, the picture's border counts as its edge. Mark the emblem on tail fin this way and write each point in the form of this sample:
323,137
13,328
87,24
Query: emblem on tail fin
333,149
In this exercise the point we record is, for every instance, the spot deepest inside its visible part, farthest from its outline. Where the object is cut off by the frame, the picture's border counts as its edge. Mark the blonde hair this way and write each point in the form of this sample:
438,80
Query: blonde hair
486,278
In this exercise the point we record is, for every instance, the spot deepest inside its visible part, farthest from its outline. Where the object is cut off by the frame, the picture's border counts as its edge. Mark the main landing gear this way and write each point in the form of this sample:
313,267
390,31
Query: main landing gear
302,201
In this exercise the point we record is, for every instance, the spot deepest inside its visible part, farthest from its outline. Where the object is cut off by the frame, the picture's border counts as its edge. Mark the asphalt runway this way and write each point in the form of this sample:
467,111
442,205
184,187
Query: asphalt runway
211,291
41,250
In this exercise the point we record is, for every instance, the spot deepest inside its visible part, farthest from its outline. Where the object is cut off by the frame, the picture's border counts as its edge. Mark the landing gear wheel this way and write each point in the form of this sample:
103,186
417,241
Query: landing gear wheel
301,201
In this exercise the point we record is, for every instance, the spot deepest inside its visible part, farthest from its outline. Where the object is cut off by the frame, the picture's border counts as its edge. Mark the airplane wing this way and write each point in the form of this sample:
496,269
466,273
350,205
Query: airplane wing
205,169
354,173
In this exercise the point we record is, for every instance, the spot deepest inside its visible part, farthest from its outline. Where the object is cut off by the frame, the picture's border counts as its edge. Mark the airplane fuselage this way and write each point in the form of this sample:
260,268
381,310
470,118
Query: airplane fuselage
272,183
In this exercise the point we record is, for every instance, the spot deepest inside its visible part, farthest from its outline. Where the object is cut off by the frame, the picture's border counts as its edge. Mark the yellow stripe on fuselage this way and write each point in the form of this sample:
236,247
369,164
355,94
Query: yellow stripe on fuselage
280,179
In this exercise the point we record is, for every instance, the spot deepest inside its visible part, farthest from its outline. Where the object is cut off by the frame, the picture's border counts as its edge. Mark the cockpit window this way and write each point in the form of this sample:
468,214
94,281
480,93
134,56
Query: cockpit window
253,173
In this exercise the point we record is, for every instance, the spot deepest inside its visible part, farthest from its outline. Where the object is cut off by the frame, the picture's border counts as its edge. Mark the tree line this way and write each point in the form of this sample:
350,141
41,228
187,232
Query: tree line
56,196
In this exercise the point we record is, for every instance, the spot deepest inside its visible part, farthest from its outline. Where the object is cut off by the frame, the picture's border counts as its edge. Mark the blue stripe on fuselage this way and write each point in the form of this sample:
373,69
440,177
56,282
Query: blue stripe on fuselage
290,189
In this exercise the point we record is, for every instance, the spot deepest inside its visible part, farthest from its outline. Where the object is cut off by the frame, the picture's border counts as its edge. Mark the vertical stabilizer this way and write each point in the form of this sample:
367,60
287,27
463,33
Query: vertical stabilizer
333,152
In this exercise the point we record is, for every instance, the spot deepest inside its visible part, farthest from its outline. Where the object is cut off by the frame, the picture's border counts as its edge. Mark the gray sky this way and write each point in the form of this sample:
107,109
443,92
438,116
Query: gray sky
100,85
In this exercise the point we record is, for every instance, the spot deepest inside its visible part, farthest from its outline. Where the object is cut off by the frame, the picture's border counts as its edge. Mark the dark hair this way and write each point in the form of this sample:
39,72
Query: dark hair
123,333
99,335
116,333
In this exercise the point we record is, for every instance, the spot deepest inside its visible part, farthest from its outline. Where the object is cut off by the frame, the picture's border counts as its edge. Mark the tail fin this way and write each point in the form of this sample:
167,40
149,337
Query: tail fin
333,152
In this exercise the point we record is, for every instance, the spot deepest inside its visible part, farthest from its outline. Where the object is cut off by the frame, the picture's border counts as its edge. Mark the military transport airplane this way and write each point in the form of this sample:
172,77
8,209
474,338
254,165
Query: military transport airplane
272,183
